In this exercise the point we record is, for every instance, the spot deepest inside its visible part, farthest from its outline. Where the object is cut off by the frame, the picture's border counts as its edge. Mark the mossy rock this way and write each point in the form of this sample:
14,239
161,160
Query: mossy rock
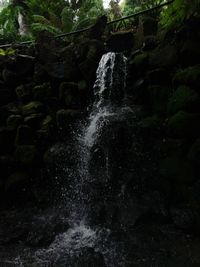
33,108
42,92
177,170
140,61
184,98
26,154
189,76
184,124
194,153
13,121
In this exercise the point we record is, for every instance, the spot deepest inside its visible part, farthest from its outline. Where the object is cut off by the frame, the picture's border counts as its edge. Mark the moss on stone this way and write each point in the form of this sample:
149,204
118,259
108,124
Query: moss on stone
184,124
184,98
189,76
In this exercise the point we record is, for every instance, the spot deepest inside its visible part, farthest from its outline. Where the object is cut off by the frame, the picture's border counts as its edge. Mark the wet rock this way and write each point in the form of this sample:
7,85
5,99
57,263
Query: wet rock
88,257
158,97
14,121
7,165
23,92
7,110
69,94
184,98
9,76
149,43
150,25
44,230
184,124
34,107
189,53
65,117
6,140
186,218
178,171
121,41
16,181
194,152
40,74
159,76
42,92
98,28
26,154
6,96
163,56
189,76
173,147
140,61
90,53
34,120
150,125
25,135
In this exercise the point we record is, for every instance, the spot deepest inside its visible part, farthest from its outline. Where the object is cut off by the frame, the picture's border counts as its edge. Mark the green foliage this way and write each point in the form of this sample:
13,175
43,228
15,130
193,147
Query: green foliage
179,11
8,52
49,15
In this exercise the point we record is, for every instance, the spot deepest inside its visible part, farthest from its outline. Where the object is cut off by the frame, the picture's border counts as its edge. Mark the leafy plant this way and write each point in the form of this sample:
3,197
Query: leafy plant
179,11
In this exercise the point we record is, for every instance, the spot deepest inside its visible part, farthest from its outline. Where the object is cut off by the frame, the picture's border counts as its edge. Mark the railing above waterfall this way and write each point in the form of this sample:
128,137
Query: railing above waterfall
140,13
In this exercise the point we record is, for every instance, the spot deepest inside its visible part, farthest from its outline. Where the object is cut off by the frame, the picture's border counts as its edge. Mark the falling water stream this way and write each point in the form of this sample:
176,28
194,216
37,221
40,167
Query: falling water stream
108,99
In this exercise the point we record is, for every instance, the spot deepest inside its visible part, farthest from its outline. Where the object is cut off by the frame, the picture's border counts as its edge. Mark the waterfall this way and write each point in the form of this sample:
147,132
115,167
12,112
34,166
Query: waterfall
84,186
108,97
